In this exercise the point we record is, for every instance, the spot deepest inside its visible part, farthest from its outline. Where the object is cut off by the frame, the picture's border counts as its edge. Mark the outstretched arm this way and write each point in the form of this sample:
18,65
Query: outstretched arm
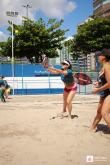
56,71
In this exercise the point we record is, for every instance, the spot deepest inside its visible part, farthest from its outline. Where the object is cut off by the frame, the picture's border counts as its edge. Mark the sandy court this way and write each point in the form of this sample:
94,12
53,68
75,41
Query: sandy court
31,134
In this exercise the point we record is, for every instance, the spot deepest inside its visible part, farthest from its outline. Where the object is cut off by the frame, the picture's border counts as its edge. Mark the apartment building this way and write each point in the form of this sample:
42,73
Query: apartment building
101,8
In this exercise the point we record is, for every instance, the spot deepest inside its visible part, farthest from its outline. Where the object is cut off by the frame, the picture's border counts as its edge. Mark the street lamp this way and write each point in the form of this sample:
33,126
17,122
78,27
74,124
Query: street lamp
12,14
27,7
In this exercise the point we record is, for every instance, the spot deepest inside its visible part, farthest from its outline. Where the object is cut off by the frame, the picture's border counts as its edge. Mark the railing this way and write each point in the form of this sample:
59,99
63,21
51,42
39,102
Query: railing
38,85
42,85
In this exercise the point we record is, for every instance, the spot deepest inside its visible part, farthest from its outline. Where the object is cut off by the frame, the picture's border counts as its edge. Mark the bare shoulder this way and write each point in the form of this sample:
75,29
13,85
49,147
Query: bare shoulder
107,67
107,72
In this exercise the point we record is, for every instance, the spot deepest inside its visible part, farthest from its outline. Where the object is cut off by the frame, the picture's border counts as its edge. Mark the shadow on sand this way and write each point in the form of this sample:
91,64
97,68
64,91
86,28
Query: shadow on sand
103,128
64,116
74,116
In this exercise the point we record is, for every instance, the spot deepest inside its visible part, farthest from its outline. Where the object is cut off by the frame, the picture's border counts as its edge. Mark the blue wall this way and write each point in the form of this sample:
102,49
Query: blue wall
25,70
22,70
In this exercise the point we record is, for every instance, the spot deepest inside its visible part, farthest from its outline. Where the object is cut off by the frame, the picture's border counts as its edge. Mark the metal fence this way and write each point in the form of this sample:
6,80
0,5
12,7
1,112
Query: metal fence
24,82
42,85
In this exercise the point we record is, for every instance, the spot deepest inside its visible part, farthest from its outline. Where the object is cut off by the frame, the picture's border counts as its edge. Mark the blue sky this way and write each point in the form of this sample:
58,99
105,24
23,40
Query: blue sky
73,12
84,8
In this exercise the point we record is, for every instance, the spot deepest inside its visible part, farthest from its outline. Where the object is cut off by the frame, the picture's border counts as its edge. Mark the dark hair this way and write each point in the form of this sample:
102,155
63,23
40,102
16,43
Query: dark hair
106,53
1,76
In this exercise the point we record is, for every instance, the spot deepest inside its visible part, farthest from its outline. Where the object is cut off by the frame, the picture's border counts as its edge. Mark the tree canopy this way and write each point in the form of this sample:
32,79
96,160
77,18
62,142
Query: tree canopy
92,36
32,39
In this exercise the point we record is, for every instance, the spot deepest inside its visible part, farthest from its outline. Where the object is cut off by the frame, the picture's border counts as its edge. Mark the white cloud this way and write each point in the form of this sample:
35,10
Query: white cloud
69,38
70,6
3,37
57,8
51,8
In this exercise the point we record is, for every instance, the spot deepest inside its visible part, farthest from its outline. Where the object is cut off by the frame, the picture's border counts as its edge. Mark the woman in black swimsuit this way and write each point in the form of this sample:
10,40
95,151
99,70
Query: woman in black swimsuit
103,88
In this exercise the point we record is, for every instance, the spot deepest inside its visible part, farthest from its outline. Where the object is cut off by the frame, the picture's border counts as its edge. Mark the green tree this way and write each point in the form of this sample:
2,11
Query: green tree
92,36
2,48
32,39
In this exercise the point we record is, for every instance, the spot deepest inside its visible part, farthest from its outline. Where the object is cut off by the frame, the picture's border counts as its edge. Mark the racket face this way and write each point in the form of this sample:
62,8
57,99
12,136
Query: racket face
83,79
45,61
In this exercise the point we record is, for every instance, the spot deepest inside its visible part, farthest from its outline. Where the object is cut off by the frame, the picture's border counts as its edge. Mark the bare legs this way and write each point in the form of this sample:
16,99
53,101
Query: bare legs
65,96
98,116
103,111
106,110
67,101
7,92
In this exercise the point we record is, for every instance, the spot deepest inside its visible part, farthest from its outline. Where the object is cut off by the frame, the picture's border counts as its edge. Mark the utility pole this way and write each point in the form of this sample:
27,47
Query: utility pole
27,7
12,14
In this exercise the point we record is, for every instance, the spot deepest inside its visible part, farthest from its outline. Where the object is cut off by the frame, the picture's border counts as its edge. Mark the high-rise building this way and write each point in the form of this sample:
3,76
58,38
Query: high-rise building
63,53
101,8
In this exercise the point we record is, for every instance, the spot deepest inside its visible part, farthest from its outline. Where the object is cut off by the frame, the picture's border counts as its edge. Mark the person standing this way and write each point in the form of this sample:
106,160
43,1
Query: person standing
7,89
70,87
2,89
103,88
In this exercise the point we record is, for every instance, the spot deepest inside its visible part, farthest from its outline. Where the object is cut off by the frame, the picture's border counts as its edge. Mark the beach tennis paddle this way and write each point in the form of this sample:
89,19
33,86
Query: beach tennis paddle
82,79
45,61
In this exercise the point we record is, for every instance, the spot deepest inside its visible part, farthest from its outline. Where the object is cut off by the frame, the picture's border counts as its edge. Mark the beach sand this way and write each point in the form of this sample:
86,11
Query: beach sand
31,134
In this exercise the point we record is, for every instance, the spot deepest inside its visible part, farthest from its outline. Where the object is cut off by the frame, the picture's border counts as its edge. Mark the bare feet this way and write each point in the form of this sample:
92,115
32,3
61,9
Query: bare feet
92,129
